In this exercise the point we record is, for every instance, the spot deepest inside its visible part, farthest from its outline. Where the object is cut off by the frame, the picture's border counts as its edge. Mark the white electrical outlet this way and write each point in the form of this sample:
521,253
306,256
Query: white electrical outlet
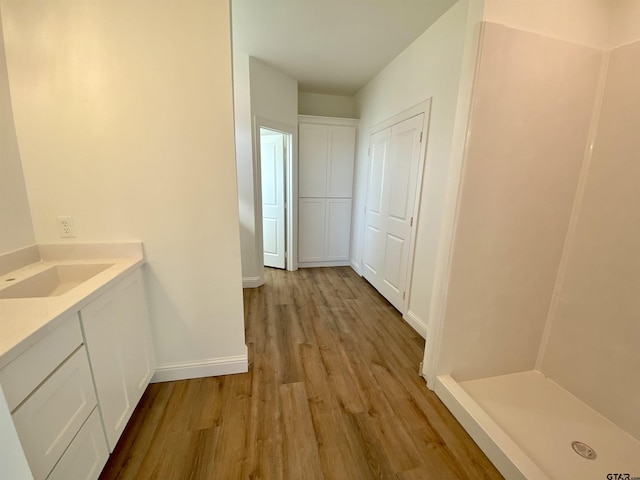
66,228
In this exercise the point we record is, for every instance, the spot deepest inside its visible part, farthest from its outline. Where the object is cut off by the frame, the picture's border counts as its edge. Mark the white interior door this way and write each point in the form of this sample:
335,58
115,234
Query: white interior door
272,161
391,191
373,257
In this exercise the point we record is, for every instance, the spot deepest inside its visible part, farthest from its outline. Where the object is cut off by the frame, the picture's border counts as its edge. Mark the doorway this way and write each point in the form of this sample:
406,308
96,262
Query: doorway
274,187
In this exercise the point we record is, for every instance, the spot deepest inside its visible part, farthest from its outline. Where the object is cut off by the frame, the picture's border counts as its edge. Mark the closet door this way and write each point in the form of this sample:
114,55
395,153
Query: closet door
393,182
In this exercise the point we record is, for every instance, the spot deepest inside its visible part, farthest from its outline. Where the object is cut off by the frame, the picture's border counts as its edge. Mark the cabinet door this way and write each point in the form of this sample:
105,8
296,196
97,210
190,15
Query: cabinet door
311,229
342,144
86,455
338,229
136,335
102,330
313,153
119,349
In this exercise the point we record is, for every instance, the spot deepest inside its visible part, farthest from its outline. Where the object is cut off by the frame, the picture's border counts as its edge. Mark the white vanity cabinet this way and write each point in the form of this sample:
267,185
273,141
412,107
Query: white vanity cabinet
117,336
50,393
325,177
71,392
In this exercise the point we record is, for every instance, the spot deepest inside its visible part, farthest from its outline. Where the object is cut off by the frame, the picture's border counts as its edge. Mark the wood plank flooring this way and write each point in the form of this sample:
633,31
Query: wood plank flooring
333,392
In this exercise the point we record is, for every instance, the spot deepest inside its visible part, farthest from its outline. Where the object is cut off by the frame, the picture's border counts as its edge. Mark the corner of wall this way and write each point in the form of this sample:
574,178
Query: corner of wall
14,203
575,213
432,358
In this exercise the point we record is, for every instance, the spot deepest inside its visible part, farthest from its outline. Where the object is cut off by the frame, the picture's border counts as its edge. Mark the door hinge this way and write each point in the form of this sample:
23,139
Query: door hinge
411,222
404,294
369,152
420,137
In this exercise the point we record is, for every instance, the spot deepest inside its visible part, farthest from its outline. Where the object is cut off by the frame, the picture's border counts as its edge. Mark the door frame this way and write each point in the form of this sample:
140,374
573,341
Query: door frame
291,190
420,108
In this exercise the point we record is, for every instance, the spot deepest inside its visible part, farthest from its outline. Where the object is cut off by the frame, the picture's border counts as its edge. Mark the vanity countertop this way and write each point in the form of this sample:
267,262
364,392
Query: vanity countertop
24,321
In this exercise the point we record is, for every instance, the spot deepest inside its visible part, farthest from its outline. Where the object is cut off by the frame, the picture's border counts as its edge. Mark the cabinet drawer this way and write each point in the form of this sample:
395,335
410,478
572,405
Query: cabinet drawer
23,374
86,455
50,418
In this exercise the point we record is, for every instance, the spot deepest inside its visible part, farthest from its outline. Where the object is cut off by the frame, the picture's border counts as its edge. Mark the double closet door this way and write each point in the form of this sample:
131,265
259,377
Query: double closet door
326,159
394,167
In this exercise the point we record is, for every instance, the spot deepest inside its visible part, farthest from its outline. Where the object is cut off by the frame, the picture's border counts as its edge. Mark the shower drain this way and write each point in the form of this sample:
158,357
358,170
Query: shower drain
584,450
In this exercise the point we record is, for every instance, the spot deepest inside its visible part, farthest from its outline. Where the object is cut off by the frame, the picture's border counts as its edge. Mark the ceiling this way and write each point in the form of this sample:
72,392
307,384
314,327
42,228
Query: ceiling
330,46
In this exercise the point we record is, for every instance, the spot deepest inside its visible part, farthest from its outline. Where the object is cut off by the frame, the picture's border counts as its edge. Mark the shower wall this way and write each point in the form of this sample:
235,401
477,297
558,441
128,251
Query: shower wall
530,120
593,348
545,269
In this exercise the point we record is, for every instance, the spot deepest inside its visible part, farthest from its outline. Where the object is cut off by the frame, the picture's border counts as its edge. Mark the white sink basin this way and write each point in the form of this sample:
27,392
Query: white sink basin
53,281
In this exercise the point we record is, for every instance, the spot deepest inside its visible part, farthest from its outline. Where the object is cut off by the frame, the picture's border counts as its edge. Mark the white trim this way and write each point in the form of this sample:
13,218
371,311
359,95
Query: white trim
424,138
213,367
252,282
328,120
503,452
291,178
416,323
328,263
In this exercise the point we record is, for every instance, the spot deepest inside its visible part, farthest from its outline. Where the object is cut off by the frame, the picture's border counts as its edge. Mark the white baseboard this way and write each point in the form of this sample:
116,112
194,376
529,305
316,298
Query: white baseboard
356,267
338,263
252,282
416,323
206,368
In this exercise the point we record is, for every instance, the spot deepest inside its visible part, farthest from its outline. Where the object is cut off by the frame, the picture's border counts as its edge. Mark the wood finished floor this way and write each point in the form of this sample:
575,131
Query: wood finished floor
332,392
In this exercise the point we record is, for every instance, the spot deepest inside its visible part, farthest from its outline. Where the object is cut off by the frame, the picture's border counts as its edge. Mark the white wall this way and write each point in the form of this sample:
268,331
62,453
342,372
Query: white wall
431,67
326,105
15,218
274,95
124,118
270,95
578,21
625,22
600,24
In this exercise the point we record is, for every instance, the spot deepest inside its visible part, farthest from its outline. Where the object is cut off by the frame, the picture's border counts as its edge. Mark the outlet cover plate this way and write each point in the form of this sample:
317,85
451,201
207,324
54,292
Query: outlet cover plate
66,227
